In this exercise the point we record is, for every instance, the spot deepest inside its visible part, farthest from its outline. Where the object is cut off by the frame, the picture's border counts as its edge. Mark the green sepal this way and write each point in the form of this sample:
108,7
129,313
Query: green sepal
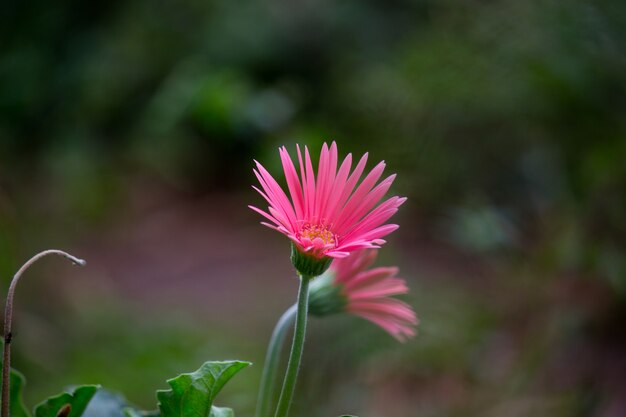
325,296
77,400
308,265
192,394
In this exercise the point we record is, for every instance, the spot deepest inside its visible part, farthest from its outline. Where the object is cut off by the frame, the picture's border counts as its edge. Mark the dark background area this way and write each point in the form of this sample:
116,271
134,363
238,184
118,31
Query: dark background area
127,133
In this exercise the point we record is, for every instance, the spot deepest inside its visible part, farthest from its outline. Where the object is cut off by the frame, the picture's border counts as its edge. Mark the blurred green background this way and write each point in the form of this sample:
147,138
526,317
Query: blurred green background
127,133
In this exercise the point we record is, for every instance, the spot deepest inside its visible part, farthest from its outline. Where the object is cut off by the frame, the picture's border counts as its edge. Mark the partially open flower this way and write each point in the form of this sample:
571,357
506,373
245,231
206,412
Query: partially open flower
327,215
368,293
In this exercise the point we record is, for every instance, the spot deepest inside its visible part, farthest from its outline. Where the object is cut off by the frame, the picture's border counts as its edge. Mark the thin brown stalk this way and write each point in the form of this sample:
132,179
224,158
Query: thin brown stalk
8,316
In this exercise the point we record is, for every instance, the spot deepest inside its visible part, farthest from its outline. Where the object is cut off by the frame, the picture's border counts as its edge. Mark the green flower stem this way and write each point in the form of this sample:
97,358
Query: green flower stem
289,384
8,315
268,379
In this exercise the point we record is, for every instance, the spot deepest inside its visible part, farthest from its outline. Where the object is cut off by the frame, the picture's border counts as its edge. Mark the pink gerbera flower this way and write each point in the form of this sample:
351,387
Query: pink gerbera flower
350,286
328,215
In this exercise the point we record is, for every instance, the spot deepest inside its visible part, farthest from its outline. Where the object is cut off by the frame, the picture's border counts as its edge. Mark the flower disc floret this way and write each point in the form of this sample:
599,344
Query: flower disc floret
317,237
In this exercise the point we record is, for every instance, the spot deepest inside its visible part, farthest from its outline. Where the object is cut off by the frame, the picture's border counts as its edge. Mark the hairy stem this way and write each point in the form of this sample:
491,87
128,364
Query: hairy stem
289,384
8,316
272,358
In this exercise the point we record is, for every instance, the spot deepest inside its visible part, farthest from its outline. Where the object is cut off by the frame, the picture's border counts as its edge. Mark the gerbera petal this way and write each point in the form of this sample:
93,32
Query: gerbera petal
337,254
338,188
347,269
329,171
366,278
400,331
367,203
386,306
310,180
380,289
293,183
277,196
375,218
322,178
357,197
351,182
264,214
375,234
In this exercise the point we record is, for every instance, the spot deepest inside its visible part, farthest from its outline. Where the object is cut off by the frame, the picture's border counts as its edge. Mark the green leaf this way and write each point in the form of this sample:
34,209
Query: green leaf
221,412
192,394
77,402
16,386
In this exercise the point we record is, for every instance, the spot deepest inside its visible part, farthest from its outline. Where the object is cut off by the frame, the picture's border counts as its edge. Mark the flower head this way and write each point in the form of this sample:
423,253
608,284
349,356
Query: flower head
350,286
331,214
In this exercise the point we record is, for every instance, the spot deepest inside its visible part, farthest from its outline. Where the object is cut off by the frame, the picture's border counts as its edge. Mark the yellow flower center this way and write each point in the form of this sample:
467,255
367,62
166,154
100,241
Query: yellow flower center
313,231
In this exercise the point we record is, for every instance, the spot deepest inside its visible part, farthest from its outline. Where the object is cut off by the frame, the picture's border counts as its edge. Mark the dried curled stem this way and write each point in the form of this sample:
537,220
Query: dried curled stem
8,316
